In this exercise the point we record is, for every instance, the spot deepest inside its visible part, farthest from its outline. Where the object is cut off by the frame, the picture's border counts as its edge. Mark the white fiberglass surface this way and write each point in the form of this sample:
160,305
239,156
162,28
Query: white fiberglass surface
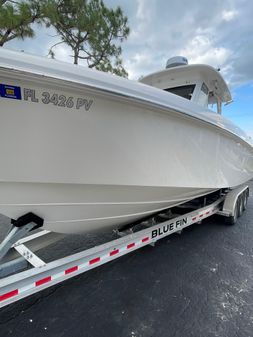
83,156
114,143
55,70
75,209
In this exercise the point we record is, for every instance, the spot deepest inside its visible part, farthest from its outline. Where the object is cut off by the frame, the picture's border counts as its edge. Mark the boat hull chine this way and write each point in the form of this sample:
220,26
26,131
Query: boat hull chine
68,208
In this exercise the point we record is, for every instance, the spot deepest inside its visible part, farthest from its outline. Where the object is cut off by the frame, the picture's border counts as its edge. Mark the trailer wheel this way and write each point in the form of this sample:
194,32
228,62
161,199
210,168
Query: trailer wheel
240,205
245,199
231,220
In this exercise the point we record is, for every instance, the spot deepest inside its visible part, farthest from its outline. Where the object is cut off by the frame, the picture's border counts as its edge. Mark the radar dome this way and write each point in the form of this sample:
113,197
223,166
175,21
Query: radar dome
176,61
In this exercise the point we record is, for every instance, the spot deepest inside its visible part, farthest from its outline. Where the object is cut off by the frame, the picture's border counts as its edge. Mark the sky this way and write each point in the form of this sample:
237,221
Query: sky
217,32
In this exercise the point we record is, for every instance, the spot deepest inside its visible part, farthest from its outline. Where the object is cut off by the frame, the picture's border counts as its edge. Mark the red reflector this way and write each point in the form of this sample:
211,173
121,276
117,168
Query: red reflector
71,270
207,212
8,295
42,281
145,239
114,252
97,259
200,215
193,219
130,245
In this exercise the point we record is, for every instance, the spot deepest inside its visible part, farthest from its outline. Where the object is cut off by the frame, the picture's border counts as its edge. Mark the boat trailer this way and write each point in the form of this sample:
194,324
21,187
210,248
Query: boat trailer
42,275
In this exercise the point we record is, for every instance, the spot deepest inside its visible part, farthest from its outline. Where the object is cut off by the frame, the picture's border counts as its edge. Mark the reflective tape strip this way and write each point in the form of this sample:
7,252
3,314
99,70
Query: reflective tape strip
9,295
131,245
71,270
145,239
97,259
114,252
43,281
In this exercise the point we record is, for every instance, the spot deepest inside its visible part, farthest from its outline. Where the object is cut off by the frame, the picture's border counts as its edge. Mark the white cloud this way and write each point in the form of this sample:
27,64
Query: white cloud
138,64
201,50
143,18
216,32
143,10
229,15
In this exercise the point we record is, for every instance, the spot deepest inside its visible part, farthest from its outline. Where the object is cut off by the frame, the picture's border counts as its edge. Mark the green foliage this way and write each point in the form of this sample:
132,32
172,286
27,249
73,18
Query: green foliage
92,30
16,18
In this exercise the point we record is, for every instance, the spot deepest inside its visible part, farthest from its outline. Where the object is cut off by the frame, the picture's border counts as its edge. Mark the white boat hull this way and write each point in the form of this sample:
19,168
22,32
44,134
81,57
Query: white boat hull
116,162
72,208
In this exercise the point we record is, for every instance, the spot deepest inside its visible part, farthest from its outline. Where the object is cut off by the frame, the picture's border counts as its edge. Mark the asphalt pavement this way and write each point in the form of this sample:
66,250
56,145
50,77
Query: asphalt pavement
199,283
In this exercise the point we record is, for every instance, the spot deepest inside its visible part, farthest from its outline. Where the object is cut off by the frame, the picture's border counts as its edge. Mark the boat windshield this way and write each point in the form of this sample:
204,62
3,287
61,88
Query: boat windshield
184,91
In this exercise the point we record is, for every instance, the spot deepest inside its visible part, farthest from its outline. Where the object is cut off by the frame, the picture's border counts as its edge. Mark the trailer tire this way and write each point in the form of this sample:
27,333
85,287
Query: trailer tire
244,200
240,205
231,220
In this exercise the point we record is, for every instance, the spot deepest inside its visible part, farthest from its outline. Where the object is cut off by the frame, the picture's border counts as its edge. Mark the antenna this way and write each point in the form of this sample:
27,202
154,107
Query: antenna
176,61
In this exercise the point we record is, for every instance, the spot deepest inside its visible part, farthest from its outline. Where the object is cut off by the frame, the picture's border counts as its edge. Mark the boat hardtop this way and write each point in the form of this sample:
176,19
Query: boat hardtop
199,83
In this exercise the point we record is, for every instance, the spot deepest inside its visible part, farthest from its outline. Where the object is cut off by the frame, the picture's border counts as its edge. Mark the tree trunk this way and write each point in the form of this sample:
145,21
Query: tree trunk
76,54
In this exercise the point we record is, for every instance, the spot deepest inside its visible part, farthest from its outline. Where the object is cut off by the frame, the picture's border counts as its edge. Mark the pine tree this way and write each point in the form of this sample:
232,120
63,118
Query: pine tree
16,18
92,30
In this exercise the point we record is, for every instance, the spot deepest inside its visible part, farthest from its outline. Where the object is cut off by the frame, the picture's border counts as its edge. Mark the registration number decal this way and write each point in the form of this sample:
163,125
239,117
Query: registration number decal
57,99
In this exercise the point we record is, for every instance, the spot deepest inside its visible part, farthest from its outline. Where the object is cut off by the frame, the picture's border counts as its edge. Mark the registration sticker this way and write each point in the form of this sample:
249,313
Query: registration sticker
10,91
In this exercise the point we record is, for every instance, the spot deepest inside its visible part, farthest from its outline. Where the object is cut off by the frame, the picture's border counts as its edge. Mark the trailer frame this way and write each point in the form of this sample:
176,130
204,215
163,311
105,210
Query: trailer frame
44,275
